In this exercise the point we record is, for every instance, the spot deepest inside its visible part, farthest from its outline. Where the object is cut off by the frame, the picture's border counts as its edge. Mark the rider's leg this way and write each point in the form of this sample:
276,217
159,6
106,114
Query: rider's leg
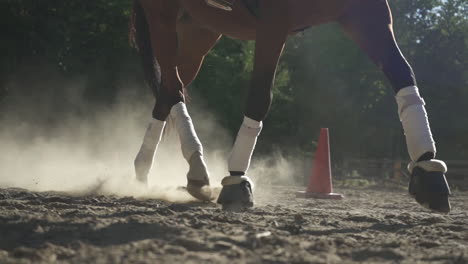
370,25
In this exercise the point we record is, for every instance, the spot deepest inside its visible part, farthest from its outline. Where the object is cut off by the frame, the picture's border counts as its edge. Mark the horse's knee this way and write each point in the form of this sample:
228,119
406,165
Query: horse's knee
258,104
165,100
161,111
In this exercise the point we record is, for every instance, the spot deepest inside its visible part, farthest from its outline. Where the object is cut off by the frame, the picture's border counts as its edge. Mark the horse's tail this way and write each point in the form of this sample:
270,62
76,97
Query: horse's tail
139,37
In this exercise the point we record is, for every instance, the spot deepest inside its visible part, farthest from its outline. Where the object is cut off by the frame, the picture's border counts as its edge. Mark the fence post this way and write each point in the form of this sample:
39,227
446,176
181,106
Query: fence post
397,170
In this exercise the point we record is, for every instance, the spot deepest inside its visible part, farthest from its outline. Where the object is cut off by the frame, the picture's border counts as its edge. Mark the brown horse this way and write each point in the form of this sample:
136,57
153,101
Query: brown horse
173,37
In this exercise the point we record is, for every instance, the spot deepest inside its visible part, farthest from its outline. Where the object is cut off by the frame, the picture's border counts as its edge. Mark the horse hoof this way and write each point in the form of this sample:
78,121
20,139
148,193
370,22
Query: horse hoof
430,188
200,190
236,194
435,202
143,181
198,179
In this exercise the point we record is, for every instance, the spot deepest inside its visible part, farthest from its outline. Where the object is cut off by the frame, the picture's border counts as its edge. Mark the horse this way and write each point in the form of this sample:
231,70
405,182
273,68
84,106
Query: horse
174,36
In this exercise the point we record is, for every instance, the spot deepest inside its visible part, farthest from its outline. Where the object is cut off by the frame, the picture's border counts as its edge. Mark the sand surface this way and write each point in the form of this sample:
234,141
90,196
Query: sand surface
368,226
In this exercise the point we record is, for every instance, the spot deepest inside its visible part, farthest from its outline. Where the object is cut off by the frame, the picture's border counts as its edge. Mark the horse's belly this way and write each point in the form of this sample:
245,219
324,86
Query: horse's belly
314,12
241,24
238,23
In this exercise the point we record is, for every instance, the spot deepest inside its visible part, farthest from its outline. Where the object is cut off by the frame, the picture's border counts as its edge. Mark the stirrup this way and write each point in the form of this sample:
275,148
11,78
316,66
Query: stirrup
221,4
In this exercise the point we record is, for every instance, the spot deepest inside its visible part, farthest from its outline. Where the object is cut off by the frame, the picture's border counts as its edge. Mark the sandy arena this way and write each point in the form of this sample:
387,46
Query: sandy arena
368,226
100,215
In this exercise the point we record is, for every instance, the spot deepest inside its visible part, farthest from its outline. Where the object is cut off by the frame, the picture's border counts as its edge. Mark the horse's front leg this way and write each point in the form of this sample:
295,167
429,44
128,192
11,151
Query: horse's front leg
271,36
170,101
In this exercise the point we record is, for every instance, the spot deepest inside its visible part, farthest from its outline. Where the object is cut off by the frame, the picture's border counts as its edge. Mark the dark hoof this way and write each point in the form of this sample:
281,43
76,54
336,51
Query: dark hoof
200,190
236,197
430,189
142,181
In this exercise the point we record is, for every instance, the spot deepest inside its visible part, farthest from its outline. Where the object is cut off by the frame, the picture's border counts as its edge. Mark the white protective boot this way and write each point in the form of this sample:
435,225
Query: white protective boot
237,190
144,158
197,177
413,117
428,184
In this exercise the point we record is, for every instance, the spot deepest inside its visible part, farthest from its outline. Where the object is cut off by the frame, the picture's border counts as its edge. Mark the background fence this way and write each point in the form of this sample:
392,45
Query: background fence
391,171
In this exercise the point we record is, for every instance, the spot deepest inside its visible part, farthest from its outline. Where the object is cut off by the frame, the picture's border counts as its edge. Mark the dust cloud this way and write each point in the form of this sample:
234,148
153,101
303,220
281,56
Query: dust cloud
52,139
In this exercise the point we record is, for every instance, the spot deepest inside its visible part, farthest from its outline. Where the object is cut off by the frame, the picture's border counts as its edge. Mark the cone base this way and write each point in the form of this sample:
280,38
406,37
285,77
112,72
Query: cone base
316,195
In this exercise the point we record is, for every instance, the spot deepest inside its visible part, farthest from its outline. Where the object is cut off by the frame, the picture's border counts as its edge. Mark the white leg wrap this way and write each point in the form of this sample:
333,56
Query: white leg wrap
413,117
144,158
188,137
198,170
244,145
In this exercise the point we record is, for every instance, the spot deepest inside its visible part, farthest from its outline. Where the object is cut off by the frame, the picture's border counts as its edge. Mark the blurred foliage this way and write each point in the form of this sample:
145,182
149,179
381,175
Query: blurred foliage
77,37
324,79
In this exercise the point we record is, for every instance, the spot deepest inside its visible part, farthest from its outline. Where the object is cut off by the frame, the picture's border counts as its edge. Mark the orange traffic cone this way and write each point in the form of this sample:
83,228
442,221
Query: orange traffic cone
320,181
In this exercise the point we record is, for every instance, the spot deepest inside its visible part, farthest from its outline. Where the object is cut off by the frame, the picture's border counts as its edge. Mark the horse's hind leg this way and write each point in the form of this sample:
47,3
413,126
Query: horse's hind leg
162,20
193,44
370,25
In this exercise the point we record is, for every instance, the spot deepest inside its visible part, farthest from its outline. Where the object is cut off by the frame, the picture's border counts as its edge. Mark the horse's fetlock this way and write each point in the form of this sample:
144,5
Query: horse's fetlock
432,165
